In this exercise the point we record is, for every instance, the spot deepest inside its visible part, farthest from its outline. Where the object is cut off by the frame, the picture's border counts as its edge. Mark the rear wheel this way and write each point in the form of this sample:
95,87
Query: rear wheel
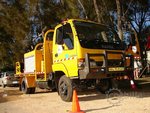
25,89
104,85
65,88
32,90
20,89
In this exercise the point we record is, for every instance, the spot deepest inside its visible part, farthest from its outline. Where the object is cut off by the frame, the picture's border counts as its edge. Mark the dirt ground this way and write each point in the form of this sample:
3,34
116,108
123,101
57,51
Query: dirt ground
128,101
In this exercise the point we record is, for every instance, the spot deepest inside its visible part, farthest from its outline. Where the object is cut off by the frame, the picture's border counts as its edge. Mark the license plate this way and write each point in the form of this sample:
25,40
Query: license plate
116,69
15,82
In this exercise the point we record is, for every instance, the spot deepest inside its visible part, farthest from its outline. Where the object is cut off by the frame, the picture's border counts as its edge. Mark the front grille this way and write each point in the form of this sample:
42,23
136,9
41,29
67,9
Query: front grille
115,63
111,63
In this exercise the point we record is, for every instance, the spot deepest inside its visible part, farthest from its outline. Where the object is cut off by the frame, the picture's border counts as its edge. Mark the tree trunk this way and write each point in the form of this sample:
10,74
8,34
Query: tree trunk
99,19
97,11
119,21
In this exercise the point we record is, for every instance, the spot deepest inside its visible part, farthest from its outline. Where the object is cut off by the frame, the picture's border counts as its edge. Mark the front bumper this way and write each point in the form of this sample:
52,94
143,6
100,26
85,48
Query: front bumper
106,70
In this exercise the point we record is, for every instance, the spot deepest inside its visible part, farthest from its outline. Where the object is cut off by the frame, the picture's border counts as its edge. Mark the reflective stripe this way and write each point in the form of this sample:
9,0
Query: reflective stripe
39,72
65,59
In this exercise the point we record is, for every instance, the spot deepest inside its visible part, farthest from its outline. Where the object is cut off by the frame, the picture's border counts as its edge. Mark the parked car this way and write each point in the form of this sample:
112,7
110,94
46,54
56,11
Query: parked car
8,79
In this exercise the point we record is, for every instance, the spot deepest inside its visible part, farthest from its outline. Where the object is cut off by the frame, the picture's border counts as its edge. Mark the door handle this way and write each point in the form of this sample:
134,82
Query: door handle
56,55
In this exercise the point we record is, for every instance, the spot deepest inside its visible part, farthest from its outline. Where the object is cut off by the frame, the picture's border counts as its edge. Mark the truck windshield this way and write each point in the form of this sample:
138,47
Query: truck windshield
96,36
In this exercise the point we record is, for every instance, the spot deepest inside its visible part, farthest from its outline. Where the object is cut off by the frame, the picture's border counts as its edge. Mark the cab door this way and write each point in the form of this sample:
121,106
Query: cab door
64,54
48,46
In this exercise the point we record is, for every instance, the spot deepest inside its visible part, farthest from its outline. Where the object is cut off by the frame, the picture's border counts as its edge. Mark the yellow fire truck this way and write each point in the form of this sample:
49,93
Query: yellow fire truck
76,54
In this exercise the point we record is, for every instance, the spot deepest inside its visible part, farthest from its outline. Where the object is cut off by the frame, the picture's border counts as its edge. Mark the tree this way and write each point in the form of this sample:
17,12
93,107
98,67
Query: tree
139,19
138,16
21,19
70,9
13,25
119,19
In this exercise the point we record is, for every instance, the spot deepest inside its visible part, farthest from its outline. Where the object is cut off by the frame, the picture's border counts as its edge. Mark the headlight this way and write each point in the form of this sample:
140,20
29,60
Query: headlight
81,63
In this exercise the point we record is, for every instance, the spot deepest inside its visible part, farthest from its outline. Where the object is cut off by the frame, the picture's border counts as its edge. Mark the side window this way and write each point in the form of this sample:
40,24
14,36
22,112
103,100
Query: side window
65,36
59,36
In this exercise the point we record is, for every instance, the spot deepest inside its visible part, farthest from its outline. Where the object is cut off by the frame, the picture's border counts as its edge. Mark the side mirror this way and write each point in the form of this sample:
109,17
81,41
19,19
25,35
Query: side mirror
134,49
60,35
60,49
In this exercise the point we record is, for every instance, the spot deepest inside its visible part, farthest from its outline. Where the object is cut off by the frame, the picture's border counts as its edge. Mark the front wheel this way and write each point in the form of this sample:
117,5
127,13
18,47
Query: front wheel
65,88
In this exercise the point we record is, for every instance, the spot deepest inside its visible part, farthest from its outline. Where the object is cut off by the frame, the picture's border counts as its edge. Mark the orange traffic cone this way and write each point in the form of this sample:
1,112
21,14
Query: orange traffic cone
133,86
75,104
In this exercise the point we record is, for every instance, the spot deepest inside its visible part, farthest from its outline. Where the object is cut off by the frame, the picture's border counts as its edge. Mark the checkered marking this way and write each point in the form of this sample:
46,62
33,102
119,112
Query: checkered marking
65,59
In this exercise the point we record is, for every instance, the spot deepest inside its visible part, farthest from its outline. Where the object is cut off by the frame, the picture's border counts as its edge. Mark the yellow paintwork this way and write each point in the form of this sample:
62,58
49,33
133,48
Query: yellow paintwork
18,68
38,60
37,54
47,53
30,81
43,60
48,58
83,51
116,69
31,53
70,67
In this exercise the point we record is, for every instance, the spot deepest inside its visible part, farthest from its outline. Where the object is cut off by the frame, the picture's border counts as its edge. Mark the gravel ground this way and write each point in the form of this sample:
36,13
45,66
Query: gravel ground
13,101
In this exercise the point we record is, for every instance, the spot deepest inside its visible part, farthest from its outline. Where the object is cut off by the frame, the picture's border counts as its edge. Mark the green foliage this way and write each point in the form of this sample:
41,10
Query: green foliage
69,9
48,12
13,28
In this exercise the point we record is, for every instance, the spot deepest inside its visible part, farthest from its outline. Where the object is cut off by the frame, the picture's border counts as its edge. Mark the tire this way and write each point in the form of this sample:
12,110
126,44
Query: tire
20,89
24,87
104,85
32,90
65,89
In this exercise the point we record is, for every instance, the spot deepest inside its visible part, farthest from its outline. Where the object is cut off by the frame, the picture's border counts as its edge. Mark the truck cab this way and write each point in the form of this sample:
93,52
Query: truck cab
85,52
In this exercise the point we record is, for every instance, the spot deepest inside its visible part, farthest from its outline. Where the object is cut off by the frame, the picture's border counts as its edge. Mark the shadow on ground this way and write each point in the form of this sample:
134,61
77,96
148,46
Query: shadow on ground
9,94
142,91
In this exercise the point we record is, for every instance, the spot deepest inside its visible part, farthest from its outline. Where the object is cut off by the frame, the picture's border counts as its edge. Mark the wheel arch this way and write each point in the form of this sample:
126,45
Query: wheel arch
57,76
29,80
60,68
28,85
